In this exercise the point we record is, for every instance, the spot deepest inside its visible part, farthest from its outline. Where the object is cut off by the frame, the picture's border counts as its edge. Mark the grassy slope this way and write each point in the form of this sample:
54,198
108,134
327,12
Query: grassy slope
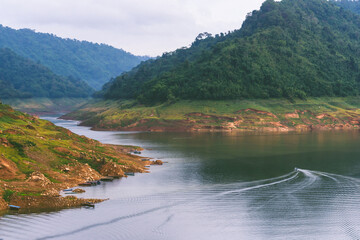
28,144
269,114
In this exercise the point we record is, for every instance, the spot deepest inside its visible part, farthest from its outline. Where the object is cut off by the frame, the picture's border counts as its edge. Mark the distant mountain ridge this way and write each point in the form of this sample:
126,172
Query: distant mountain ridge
94,63
23,78
287,49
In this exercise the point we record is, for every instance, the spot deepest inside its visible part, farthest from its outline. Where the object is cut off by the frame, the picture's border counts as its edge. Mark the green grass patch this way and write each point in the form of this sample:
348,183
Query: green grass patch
53,180
7,195
28,194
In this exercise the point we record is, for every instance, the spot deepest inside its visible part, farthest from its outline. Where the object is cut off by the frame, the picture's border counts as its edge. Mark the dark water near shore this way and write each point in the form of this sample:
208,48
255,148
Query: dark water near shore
217,186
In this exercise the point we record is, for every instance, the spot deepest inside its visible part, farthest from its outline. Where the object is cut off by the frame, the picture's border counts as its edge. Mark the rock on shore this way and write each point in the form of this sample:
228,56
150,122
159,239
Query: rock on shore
112,169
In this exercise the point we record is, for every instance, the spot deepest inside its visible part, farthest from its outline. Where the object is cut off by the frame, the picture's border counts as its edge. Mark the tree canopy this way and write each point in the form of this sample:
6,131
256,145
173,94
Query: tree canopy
291,49
352,5
94,63
23,78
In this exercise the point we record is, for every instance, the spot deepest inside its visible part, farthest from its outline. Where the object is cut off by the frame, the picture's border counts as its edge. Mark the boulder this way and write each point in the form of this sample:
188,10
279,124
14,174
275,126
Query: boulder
112,169
38,177
157,162
78,190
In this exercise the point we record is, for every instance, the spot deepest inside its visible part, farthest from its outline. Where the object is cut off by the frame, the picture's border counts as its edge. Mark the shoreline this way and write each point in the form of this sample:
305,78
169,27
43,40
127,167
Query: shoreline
249,130
39,159
51,199
269,115
252,129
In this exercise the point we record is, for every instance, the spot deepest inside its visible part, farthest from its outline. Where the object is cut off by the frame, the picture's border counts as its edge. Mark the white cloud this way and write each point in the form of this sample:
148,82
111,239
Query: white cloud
140,26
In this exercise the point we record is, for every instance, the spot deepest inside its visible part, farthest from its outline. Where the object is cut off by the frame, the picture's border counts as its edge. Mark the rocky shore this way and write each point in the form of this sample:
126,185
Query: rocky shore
39,159
38,193
246,120
256,115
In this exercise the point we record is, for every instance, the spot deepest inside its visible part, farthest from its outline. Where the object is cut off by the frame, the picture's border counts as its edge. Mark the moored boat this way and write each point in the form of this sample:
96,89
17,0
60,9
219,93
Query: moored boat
85,184
88,204
13,207
94,182
68,190
107,179
115,177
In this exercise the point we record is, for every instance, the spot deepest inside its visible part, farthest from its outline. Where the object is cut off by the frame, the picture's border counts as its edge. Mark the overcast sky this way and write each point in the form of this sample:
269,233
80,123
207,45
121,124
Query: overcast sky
142,27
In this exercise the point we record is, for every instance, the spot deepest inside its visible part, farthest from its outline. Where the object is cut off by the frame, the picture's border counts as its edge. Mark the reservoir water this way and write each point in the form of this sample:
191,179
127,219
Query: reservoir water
216,186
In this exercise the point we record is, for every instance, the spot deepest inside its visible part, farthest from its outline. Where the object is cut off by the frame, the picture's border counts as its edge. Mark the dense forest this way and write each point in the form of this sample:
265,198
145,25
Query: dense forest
352,5
93,63
23,78
291,49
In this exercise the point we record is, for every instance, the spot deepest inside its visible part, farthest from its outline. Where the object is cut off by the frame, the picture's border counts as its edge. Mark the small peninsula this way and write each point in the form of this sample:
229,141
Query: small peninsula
38,159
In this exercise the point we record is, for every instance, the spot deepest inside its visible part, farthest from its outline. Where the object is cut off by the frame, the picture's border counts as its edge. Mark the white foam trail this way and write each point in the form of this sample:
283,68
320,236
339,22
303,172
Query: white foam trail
334,177
326,175
292,175
260,186
310,178
345,177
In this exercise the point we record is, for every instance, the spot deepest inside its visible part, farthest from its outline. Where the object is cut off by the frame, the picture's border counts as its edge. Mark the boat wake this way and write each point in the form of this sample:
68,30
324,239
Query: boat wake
299,195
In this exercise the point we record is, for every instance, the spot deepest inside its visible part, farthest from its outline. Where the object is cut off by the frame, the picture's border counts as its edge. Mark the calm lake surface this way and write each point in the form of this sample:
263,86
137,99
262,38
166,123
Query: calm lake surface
216,186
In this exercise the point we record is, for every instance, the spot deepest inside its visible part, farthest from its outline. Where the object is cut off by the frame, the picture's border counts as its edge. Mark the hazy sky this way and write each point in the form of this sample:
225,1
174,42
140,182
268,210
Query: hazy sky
142,27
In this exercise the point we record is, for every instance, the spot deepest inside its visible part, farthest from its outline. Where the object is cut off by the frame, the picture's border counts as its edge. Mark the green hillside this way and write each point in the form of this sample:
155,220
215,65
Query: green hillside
287,49
23,78
38,159
353,6
93,63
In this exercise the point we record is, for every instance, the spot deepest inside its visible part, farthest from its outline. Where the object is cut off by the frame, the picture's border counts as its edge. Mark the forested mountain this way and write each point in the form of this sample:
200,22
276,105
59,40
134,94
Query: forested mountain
23,78
352,5
291,49
93,63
